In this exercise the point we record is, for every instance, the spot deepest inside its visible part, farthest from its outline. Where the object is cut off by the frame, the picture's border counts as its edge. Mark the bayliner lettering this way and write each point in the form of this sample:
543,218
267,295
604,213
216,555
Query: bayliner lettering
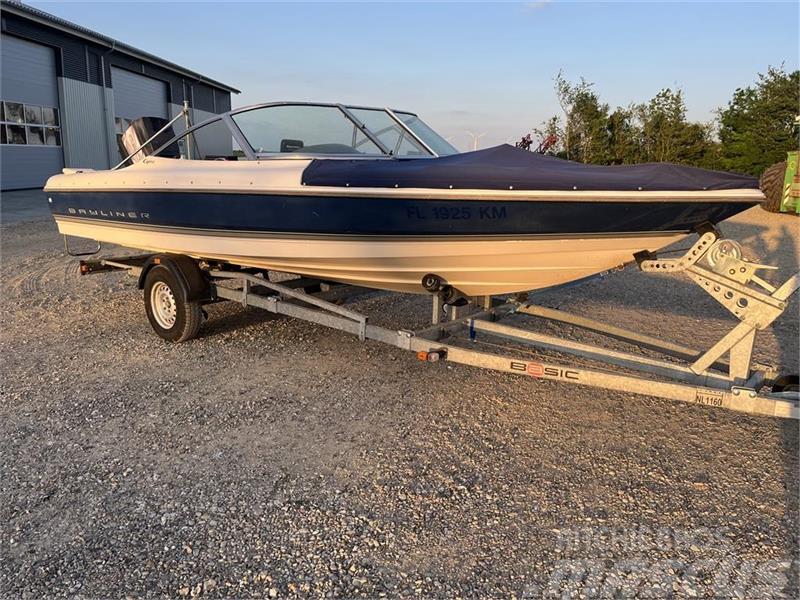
111,214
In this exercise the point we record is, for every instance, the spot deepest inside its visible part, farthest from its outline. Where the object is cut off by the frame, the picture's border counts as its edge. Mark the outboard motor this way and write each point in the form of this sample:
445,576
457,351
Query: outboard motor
142,129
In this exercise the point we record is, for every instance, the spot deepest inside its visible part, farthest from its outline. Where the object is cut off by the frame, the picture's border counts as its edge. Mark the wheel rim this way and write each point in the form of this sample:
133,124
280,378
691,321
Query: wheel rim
162,302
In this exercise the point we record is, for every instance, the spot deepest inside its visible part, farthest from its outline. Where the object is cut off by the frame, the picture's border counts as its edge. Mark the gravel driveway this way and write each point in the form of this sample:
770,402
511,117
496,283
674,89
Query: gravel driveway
275,458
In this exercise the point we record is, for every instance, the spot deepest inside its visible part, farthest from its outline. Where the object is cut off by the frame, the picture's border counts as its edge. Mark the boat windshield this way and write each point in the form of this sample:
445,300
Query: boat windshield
337,129
436,142
305,129
392,134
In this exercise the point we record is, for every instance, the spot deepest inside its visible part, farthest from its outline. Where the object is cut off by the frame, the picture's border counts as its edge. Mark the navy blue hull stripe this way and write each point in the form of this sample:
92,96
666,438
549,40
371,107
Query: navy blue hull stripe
385,216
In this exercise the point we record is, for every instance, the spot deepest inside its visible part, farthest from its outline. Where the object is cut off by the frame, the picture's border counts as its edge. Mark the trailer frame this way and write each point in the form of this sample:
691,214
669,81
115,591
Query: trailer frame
685,374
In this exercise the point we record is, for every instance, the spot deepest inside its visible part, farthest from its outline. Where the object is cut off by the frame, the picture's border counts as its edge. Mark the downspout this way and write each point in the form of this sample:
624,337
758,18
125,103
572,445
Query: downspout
106,116
191,93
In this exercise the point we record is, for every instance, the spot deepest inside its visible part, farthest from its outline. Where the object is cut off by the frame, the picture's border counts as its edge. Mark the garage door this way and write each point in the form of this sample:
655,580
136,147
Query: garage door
138,96
30,123
135,96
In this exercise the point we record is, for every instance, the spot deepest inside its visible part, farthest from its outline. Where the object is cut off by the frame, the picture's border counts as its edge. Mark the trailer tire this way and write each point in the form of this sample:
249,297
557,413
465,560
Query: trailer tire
171,316
771,184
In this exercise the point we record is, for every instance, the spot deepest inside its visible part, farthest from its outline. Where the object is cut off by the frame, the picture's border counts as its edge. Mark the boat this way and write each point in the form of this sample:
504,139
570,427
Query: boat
376,198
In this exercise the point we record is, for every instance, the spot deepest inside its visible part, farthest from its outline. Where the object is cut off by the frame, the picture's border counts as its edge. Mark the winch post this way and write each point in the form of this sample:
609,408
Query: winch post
716,265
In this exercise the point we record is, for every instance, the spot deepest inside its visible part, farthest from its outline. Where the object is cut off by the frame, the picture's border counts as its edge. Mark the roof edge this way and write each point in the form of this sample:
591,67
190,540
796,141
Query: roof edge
45,18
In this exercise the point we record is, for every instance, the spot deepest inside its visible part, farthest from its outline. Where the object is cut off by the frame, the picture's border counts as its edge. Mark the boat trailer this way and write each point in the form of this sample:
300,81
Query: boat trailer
724,376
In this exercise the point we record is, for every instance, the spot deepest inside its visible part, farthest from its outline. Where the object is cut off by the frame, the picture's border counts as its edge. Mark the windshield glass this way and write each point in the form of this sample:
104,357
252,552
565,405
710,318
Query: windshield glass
439,145
299,128
391,134
303,129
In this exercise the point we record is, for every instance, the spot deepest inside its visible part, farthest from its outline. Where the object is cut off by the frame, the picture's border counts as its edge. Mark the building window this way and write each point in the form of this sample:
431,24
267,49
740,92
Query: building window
50,116
14,112
16,134
52,136
29,124
36,136
33,114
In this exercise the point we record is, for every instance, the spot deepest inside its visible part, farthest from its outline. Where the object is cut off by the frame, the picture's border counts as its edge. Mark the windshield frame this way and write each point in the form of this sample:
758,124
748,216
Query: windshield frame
251,154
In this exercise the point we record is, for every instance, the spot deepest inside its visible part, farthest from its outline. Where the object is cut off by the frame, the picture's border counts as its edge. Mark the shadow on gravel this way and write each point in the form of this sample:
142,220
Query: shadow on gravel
233,317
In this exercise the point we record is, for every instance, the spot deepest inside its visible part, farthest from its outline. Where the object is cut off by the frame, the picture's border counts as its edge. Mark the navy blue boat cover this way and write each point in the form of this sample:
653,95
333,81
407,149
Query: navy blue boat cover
504,167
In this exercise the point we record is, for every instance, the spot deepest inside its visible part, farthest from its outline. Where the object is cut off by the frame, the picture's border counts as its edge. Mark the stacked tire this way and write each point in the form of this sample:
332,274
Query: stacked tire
771,184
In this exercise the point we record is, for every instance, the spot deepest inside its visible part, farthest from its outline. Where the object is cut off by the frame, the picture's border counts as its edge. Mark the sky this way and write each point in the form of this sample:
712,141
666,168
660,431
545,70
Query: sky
486,68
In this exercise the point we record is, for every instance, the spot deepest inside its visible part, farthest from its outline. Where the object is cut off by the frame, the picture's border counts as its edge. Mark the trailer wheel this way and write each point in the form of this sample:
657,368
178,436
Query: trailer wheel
171,316
771,184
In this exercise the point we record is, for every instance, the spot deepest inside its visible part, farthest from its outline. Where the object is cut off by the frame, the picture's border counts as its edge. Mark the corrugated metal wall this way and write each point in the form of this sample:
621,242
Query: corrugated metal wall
174,111
74,61
203,97
74,64
138,96
197,116
214,140
222,101
85,132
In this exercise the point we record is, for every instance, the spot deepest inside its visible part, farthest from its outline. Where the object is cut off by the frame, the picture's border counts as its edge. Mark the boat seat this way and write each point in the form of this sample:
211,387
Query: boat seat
328,149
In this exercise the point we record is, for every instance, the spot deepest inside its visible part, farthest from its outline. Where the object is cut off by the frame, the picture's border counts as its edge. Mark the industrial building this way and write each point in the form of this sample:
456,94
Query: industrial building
67,92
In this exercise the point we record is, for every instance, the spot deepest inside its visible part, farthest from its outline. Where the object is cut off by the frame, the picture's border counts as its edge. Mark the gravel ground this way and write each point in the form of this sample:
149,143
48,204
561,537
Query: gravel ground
275,458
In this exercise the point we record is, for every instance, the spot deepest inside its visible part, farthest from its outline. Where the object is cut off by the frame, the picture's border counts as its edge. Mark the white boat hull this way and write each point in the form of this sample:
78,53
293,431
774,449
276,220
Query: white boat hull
476,267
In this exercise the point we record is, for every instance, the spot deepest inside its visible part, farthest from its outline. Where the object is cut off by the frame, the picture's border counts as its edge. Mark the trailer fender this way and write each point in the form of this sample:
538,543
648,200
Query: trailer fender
194,284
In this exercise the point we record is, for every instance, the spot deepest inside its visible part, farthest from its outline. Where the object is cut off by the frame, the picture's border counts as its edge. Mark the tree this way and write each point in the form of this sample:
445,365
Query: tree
656,131
623,137
662,120
756,127
584,135
666,135
755,130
